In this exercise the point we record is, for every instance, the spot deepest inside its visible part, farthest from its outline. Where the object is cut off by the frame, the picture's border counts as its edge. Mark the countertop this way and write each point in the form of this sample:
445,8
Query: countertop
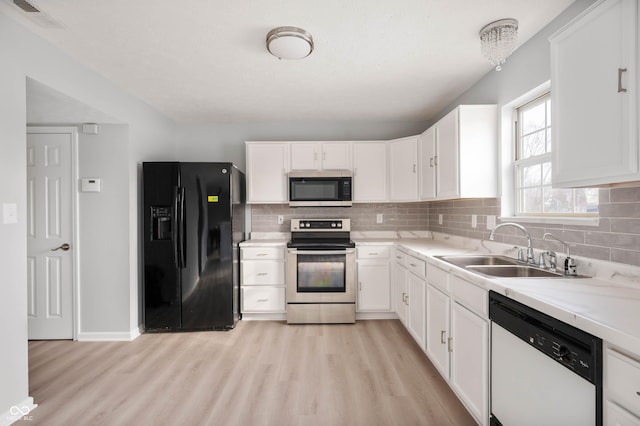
607,305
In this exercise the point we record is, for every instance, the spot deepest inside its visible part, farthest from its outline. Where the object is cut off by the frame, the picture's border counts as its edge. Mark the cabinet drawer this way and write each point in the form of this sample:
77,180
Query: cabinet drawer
616,416
438,278
263,299
400,257
470,296
373,252
262,273
262,253
623,381
417,266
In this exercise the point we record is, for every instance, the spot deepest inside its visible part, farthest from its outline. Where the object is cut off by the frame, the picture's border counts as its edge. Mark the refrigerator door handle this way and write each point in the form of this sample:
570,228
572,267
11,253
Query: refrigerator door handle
174,227
183,230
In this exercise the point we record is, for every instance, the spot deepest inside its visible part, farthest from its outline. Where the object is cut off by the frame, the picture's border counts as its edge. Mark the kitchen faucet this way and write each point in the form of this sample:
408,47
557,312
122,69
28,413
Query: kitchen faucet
530,258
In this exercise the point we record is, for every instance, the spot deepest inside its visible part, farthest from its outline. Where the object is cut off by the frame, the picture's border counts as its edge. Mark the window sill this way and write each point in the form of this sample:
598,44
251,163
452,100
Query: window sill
579,221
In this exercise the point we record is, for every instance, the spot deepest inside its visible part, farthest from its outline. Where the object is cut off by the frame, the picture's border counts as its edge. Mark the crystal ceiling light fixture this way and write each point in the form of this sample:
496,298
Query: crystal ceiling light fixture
289,43
498,40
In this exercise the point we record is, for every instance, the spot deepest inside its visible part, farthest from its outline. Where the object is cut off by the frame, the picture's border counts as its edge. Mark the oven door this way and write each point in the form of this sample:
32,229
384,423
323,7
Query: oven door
321,276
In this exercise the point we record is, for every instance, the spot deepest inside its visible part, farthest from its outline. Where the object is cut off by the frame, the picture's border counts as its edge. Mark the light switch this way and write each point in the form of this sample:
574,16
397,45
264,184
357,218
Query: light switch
474,220
280,219
379,218
440,219
10,213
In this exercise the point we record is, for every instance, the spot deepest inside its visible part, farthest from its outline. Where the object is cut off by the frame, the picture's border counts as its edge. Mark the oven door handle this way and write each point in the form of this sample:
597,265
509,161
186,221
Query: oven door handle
346,251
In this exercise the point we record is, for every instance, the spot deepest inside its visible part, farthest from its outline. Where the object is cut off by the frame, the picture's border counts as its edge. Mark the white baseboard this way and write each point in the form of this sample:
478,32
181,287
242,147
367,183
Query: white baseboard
18,412
265,317
376,315
108,336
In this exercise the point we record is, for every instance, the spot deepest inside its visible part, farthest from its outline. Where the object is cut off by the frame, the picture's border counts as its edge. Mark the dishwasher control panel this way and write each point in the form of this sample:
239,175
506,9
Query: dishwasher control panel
577,350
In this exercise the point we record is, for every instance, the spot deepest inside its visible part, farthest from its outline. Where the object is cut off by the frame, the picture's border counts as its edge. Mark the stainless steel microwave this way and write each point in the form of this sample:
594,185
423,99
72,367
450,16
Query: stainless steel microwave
320,189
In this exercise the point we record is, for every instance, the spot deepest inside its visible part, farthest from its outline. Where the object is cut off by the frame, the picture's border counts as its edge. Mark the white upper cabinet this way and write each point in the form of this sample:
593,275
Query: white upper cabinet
403,169
593,96
459,156
320,156
267,172
427,152
370,171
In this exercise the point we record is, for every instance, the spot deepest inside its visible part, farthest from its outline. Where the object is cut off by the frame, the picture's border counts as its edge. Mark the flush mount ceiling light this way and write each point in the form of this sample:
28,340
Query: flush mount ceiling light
289,43
498,40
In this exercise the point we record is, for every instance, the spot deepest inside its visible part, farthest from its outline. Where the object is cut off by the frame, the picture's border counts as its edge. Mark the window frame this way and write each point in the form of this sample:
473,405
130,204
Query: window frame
518,164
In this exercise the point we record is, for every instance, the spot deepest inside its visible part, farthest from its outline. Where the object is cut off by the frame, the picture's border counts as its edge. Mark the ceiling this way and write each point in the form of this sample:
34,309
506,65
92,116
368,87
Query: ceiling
203,61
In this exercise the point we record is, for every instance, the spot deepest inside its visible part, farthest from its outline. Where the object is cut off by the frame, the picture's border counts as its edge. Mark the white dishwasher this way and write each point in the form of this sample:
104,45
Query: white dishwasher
543,372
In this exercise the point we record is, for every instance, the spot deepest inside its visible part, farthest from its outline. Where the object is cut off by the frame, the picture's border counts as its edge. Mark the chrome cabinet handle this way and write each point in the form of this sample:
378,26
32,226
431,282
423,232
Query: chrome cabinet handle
261,254
262,274
406,300
373,254
360,285
414,168
324,155
431,162
63,247
262,300
435,160
413,264
404,295
620,88
449,346
442,338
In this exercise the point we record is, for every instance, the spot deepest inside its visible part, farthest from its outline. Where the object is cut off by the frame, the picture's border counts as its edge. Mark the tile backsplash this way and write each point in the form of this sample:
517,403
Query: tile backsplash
395,216
616,238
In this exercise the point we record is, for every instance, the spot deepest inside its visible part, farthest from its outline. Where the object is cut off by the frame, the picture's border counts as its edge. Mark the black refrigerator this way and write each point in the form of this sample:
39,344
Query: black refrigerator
194,220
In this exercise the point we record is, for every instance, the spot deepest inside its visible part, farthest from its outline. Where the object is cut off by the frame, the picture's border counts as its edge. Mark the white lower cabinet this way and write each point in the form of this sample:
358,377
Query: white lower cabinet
262,280
622,388
470,360
438,329
409,273
374,280
458,338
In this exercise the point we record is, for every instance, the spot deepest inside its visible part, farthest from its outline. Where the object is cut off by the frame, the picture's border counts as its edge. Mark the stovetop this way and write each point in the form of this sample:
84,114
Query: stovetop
320,234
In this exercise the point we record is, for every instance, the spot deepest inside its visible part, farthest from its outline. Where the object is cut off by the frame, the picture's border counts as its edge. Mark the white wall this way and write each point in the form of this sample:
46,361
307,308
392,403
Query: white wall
225,142
150,136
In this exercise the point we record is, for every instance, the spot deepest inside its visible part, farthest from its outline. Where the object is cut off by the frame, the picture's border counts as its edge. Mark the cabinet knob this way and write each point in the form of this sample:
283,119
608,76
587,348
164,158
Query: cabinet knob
443,333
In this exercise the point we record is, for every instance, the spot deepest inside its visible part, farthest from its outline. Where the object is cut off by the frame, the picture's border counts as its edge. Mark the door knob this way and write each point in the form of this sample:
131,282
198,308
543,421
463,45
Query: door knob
63,247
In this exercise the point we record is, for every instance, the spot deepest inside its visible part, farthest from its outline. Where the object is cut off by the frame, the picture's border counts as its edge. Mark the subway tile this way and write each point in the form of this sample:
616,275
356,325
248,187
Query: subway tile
630,210
625,256
593,252
625,195
623,241
629,226
604,195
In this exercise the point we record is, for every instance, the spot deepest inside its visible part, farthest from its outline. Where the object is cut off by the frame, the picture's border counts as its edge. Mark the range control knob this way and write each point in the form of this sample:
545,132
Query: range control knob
564,354
339,224
333,224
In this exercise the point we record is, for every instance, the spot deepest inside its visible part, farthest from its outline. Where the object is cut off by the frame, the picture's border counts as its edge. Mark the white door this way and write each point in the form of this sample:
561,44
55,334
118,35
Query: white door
448,162
49,235
336,156
428,163
304,156
438,329
415,300
267,168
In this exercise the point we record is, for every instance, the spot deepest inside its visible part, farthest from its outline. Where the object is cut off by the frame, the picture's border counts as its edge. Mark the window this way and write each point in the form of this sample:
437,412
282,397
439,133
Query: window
534,194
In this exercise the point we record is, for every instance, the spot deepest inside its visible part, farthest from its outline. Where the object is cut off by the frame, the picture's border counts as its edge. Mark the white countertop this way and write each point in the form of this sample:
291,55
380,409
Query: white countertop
607,306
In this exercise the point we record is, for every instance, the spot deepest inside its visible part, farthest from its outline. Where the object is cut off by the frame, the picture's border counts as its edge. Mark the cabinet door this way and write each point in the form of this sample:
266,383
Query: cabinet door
400,282
594,117
616,416
403,169
374,287
415,302
470,360
304,156
336,156
447,180
267,172
369,171
438,329
427,148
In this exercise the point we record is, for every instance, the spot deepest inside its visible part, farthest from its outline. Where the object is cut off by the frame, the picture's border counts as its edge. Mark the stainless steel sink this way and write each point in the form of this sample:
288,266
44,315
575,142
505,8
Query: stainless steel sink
494,265
478,260
514,271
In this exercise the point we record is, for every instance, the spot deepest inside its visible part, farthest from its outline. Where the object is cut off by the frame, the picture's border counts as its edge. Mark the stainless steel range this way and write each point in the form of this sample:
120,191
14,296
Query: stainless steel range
321,272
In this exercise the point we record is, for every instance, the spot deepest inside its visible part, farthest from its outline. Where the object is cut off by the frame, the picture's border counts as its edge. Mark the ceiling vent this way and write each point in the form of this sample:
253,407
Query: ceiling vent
26,6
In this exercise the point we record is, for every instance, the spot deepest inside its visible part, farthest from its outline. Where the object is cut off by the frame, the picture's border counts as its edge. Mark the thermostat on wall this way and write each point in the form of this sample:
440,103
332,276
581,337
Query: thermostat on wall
90,185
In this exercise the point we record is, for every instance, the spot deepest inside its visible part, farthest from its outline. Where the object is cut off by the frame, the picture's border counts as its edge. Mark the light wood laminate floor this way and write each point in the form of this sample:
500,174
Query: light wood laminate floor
261,373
